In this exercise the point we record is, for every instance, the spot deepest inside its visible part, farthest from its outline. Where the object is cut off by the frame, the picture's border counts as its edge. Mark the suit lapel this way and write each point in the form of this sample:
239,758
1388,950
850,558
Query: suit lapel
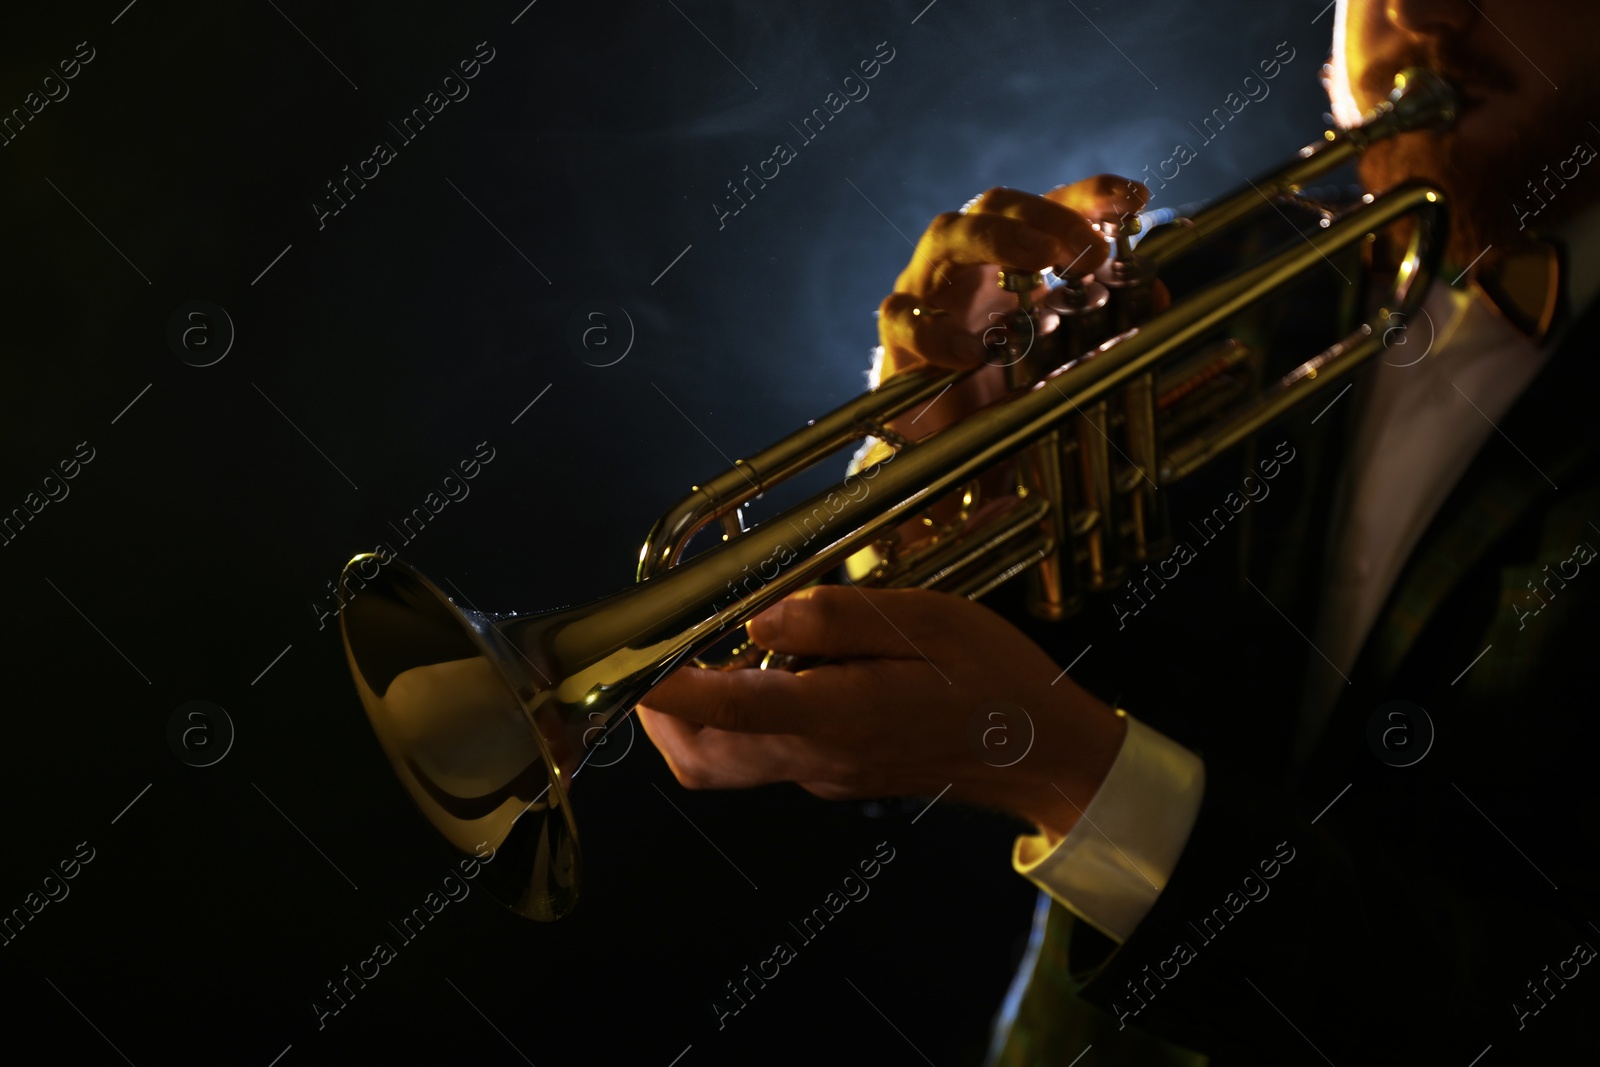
1504,483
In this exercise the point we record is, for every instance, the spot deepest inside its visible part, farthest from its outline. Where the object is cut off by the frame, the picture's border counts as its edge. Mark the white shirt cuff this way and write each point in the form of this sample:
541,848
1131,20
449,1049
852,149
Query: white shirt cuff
1113,864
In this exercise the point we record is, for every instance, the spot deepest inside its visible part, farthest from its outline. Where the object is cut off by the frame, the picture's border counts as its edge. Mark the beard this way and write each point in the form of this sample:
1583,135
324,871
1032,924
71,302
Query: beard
1479,192
1489,163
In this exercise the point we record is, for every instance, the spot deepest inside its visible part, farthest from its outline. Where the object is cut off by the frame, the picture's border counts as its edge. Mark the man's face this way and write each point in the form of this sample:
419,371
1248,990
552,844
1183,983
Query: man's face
1528,81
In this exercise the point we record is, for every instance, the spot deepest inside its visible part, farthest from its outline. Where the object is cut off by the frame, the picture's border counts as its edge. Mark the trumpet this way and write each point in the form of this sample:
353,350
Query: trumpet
487,718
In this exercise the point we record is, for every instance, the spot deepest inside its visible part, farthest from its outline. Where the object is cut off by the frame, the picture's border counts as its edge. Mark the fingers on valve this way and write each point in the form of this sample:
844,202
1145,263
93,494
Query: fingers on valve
991,237
1074,232
956,240
1103,198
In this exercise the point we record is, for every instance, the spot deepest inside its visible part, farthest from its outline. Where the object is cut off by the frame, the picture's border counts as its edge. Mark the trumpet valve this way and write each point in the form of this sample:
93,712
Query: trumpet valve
1128,277
1012,340
1079,304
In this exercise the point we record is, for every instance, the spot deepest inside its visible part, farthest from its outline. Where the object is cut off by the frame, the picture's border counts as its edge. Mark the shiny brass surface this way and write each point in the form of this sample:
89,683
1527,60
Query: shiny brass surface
488,719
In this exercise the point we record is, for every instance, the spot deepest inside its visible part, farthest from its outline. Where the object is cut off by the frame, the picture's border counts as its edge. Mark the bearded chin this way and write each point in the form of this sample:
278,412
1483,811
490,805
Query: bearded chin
1483,192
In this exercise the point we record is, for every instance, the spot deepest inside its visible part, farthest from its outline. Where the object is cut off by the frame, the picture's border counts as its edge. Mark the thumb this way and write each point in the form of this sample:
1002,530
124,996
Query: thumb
845,621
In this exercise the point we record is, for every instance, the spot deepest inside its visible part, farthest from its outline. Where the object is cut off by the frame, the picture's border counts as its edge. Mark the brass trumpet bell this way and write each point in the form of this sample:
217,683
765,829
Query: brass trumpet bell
456,708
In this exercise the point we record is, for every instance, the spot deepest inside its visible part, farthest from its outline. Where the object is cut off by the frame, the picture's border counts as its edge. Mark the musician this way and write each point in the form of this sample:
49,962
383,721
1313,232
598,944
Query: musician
1234,866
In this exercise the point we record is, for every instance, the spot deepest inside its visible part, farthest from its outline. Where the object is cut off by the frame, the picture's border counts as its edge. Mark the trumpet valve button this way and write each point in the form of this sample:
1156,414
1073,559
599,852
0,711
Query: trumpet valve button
1022,283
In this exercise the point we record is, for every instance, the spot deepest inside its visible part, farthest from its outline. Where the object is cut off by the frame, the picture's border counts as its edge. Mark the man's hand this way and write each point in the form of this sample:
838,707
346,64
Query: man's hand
947,296
895,714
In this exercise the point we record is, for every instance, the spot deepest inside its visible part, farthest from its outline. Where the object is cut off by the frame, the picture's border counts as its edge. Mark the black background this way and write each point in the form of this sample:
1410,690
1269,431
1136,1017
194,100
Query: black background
193,548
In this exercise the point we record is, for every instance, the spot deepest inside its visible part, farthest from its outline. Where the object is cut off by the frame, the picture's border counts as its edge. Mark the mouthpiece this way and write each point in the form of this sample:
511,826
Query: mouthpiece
1421,100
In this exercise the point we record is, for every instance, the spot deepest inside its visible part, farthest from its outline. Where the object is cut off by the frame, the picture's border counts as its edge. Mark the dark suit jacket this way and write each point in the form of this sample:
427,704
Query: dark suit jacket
1351,911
